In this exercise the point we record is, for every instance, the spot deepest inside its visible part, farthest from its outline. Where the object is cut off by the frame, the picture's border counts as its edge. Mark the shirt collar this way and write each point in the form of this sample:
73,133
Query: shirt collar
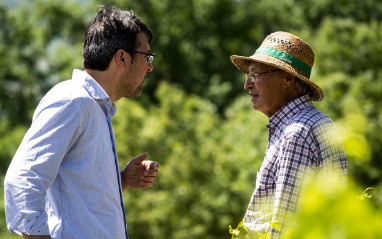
287,111
95,91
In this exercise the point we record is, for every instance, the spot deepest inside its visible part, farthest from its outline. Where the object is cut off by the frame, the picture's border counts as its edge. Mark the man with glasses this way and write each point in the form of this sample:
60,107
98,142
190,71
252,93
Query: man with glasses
303,143
64,180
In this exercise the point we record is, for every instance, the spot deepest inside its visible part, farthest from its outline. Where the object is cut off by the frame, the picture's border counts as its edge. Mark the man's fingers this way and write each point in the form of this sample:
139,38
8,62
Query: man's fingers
148,179
138,159
151,165
146,184
154,165
151,173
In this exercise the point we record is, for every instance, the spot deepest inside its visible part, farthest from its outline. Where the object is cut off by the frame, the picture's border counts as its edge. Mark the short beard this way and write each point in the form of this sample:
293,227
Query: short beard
126,89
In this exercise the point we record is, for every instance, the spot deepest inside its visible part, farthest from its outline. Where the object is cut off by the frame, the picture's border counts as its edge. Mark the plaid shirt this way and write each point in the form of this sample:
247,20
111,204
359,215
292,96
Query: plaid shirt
301,140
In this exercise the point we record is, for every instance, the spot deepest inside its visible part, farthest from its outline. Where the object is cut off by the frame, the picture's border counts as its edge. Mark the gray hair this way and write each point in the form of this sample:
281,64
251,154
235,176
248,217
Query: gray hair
303,88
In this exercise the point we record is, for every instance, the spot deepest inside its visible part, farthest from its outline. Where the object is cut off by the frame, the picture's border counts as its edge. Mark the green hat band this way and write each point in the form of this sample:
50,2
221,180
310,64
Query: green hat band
286,58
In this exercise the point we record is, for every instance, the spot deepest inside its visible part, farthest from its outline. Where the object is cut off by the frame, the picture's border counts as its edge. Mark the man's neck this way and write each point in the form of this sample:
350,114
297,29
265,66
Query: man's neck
103,78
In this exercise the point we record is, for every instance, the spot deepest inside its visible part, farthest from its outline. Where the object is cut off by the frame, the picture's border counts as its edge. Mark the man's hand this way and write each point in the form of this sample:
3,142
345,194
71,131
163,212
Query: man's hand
139,173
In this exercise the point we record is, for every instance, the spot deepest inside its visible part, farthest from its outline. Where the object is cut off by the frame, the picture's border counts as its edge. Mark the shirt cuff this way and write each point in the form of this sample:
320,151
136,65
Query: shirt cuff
30,223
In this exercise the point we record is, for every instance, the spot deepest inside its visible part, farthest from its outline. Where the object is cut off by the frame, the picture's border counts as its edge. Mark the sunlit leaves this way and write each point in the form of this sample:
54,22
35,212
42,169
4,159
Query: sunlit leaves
201,127
365,195
239,232
31,60
340,215
204,160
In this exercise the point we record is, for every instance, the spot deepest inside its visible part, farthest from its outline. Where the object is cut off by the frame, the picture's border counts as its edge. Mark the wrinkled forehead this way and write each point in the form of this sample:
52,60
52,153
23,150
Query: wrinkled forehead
259,67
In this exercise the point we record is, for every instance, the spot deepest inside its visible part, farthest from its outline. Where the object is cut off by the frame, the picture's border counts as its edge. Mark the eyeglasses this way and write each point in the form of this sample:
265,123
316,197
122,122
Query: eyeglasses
150,56
252,75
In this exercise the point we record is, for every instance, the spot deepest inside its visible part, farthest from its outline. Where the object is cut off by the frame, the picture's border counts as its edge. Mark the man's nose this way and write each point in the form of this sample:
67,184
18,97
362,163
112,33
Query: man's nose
150,67
248,84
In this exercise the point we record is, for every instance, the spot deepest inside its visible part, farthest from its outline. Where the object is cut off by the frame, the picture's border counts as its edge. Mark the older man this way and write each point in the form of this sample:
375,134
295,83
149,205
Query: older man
302,142
64,180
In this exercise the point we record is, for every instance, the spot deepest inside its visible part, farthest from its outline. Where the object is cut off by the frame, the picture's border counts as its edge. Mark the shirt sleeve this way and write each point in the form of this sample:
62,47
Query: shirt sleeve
294,165
331,151
36,164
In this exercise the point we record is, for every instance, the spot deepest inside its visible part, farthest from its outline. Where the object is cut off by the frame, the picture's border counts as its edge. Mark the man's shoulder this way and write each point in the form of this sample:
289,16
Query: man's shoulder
309,116
68,89
68,94
306,122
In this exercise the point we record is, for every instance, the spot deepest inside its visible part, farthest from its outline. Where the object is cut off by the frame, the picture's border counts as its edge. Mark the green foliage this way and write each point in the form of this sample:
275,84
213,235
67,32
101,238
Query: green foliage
201,168
365,195
330,211
194,116
239,231
9,142
37,50
337,214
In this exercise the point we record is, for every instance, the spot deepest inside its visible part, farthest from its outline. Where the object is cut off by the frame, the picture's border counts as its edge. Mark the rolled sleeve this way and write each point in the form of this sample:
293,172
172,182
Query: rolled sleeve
36,165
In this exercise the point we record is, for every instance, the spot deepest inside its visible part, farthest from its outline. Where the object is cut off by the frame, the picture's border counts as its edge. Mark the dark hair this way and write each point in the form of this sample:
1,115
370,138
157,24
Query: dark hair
111,30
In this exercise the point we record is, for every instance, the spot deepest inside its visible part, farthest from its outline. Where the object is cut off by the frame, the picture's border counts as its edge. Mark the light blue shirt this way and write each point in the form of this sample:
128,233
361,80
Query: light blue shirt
64,179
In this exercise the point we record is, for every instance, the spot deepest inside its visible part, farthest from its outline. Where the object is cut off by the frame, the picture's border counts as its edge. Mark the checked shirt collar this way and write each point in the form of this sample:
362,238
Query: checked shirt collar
286,113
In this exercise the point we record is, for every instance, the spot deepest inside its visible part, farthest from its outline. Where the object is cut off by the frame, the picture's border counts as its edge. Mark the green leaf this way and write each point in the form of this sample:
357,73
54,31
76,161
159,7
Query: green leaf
275,225
241,225
230,229
365,195
261,235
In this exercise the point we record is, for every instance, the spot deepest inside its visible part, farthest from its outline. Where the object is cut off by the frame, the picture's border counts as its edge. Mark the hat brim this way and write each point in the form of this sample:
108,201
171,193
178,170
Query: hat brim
242,63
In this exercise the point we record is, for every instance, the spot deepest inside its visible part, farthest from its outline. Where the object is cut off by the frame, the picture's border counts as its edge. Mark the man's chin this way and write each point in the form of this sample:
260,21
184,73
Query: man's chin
135,95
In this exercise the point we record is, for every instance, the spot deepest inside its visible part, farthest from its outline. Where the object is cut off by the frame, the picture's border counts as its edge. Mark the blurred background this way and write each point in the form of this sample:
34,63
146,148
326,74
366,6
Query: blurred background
194,116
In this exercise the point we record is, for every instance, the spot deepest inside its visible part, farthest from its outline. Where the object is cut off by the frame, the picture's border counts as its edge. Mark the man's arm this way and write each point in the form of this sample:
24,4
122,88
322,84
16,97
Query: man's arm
139,173
36,165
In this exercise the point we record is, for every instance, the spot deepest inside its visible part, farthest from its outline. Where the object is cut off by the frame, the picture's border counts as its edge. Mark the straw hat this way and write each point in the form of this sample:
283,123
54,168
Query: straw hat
287,52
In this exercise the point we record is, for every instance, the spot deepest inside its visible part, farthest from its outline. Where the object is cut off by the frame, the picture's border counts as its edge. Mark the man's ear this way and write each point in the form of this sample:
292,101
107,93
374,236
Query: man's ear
122,58
289,80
